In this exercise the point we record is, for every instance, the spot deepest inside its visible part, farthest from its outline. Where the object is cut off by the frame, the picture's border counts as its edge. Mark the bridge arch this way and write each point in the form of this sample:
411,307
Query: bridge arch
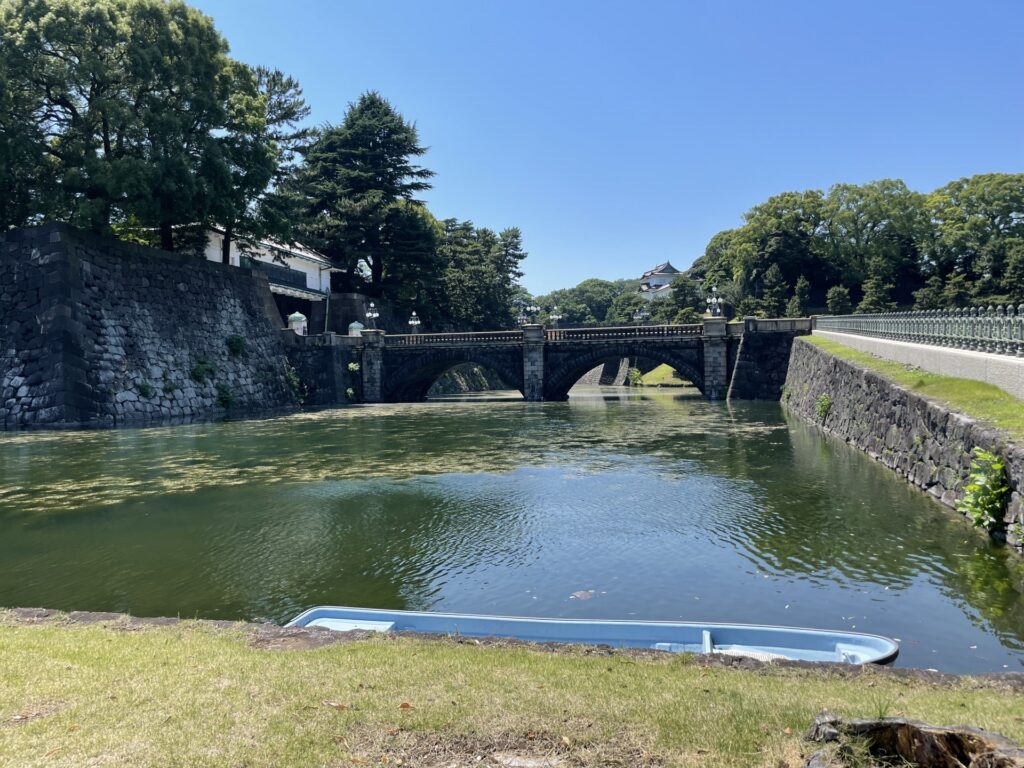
409,374
564,367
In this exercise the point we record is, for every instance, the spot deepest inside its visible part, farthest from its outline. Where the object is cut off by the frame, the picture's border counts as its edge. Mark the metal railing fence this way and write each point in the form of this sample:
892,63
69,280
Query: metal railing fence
998,330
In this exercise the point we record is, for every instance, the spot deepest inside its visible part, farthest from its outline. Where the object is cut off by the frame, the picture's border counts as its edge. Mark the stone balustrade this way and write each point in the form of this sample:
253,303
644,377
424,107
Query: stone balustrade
601,333
998,330
482,337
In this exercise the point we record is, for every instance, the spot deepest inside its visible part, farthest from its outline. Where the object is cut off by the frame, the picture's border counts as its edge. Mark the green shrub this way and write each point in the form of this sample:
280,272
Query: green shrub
168,387
353,367
636,379
203,371
237,346
985,496
291,377
225,398
146,389
822,406
786,392
350,393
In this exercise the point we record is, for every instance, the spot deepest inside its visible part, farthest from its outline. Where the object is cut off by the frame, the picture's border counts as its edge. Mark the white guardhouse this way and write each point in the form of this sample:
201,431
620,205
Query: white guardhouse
298,276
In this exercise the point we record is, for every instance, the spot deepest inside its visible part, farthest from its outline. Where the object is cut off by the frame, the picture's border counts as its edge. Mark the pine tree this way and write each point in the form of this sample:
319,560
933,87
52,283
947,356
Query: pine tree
1013,281
774,292
797,306
930,297
877,289
838,300
354,175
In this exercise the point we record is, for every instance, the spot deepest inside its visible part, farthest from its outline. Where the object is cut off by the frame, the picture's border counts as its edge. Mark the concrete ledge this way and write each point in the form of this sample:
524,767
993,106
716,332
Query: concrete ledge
1003,371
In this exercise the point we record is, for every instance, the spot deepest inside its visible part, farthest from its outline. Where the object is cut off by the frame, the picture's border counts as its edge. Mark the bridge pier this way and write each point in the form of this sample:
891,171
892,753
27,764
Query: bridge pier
533,362
716,358
373,366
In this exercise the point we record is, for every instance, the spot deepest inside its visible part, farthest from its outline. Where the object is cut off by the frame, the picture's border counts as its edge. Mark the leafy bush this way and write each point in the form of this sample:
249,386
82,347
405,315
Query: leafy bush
237,346
350,393
225,398
985,496
636,379
203,371
822,406
168,386
353,367
146,389
291,377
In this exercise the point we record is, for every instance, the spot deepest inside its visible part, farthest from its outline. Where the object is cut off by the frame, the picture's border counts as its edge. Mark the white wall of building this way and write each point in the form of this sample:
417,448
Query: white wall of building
317,276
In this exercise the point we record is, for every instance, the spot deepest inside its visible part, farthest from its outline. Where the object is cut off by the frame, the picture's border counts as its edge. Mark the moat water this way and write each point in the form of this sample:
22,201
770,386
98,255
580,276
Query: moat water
613,506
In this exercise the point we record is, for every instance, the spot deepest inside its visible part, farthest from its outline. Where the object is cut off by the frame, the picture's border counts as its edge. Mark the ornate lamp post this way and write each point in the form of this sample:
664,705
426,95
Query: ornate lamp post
641,315
532,310
372,314
414,323
554,317
714,302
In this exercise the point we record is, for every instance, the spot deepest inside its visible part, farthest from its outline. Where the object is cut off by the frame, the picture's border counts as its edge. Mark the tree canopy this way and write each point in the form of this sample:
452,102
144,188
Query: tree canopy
886,245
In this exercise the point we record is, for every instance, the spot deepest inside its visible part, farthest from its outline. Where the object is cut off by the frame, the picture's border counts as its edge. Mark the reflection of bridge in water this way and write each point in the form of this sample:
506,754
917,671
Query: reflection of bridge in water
744,360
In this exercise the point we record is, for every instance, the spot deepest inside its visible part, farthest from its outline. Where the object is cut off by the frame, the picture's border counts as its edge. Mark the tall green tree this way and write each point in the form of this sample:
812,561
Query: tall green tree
877,288
479,286
263,142
838,300
975,219
800,301
131,99
354,175
1013,280
773,300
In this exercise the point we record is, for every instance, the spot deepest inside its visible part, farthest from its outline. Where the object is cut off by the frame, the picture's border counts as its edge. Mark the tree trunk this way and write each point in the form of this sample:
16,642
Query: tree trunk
166,236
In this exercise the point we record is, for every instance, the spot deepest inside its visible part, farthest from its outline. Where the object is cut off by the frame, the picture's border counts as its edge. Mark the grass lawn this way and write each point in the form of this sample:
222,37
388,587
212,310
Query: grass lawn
975,398
191,695
663,376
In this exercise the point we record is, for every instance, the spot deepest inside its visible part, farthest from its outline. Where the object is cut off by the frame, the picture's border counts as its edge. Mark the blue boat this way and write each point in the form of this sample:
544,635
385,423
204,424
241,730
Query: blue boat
764,643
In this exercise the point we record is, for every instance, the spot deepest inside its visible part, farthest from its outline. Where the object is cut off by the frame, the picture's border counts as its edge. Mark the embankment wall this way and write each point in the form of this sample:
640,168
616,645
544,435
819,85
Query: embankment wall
923,441
95,332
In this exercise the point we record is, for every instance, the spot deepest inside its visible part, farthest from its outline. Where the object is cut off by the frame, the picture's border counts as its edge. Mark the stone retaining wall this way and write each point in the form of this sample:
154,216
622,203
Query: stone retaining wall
923,441
96,332
760,366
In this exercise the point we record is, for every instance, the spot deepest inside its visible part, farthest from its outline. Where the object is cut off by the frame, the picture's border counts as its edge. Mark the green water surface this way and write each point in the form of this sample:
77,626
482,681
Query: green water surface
612,506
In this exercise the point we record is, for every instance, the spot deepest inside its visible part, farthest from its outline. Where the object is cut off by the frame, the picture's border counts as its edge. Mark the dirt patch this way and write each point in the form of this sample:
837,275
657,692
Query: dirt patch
271,637
35,711
440,749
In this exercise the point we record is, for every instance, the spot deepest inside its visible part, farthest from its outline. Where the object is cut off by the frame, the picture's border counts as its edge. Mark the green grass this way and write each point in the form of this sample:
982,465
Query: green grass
986,402
187,695
663,376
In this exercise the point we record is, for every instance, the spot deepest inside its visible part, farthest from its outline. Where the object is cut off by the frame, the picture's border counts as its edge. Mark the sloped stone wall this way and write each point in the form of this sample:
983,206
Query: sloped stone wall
95,332
760,367
923,441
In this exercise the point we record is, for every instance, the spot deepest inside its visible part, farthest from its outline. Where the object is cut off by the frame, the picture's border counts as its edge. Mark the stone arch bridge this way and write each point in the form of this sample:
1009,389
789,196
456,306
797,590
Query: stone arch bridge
744,360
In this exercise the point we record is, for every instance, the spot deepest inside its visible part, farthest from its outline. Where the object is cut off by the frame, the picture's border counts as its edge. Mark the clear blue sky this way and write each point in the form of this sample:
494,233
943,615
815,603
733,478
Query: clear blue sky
620,134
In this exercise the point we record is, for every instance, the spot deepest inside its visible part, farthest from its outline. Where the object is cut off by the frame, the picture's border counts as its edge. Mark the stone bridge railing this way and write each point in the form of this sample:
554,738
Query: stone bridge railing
999,330
448,339
624,332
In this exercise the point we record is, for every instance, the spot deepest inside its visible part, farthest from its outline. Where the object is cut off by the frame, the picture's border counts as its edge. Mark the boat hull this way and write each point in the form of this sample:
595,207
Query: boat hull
755,641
